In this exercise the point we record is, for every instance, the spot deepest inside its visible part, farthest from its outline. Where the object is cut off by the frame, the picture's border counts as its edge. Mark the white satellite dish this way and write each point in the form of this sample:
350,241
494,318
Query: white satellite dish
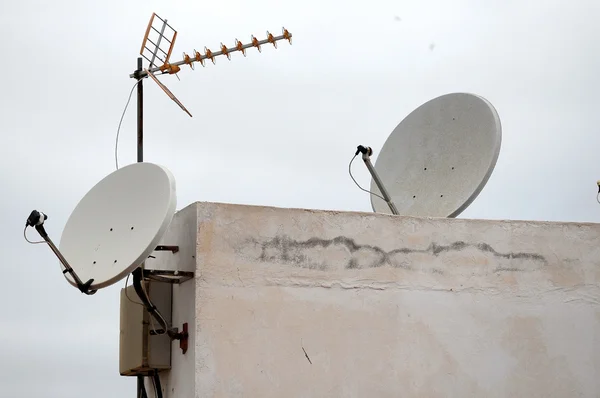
112,231
438,159
115,227
119,223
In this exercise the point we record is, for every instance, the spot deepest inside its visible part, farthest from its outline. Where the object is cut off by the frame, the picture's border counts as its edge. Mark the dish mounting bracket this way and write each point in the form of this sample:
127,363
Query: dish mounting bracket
176,277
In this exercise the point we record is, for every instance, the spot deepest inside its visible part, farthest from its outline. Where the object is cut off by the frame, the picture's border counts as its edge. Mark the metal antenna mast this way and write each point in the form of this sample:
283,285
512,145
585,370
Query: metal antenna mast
140,113
157,47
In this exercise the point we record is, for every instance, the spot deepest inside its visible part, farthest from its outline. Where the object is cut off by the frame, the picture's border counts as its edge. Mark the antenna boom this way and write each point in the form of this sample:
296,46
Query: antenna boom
210,55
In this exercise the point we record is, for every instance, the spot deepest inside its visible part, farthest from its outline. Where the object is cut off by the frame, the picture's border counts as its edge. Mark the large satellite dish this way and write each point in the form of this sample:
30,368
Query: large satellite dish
438,159
119,223
115,227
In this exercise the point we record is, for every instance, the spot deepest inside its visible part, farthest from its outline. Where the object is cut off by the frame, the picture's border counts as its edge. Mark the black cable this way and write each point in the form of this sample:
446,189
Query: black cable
153,330
157,386
151,308
361,188
141,388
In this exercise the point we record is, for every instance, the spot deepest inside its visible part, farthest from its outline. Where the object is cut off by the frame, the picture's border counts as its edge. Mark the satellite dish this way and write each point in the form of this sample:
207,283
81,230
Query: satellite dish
112,231
118,223
439,158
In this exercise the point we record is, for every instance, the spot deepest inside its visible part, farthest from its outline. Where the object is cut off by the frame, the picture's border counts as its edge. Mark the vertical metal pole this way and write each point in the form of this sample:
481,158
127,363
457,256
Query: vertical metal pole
140,119
141,390
140,115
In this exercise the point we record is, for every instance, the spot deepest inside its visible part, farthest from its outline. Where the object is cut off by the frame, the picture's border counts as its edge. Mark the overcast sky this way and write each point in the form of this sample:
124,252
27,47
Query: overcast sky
276,128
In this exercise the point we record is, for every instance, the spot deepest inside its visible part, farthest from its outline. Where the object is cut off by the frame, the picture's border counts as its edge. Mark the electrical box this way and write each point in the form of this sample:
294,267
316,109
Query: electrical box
141,352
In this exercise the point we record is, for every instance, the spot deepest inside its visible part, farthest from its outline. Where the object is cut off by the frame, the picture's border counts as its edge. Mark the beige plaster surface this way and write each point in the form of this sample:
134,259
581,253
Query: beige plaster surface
303,303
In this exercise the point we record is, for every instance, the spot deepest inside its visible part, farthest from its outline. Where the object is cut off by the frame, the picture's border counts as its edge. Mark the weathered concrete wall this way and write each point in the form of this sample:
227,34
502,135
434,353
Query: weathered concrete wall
179,381
299,303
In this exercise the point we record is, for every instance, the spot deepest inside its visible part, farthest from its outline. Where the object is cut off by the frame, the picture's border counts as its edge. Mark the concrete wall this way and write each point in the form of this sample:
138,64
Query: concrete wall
300,303
182,232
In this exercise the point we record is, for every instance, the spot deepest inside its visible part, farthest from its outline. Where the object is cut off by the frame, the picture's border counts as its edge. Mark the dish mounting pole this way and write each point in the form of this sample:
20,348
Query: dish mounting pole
140,112
366,157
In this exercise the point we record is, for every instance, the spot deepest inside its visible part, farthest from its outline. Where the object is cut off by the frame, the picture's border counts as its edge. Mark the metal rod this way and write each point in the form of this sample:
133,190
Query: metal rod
148,59
63,261
380,185
165,22
214,54
140,117
83,287
140,112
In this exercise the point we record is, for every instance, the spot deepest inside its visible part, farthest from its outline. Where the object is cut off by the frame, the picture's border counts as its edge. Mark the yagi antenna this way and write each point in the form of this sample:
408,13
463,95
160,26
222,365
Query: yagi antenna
158,44
157,48
173,68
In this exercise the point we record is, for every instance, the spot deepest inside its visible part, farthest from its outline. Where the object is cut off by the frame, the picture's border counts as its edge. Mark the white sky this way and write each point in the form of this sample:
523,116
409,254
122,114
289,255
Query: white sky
276,128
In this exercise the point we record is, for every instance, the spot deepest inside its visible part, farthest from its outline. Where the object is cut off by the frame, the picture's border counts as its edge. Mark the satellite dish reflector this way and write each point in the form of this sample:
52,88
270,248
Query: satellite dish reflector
439,158
119,223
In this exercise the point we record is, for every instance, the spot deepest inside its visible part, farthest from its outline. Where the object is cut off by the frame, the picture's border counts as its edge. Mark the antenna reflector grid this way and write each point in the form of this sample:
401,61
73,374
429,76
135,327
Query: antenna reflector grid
153,46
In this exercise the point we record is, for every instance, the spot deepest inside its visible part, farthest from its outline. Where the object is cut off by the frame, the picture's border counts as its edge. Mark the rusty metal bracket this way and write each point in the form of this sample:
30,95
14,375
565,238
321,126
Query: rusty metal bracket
183,339
176,277
172,249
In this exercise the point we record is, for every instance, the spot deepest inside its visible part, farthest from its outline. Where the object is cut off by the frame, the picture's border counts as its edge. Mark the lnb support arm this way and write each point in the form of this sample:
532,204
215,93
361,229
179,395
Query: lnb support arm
366,157
36,219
